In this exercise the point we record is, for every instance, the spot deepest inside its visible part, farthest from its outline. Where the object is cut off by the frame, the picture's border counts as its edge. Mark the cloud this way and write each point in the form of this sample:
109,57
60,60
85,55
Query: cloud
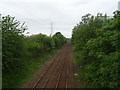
38,14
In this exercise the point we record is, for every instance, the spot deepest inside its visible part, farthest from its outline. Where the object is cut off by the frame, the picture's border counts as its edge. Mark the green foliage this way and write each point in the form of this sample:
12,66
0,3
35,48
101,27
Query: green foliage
59,39
12,41
18,49
40,44
31,64
95,44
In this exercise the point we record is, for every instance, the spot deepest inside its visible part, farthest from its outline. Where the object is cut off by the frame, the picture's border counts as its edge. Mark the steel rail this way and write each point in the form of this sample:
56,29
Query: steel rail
52,72
34,86
57,84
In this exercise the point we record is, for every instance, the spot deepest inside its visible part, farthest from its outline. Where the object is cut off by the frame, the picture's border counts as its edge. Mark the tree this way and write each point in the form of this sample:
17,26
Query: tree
59,39
95,44
12,40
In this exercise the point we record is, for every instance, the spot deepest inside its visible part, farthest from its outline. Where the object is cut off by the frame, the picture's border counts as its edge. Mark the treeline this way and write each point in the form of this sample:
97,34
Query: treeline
96,41
18,48
40,44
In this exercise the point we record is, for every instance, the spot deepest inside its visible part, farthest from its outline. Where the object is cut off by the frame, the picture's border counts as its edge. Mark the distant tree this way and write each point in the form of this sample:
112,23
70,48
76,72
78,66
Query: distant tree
59,39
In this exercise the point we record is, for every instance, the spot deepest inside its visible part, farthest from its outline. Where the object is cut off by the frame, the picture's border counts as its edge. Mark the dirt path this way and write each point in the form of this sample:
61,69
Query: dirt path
56,73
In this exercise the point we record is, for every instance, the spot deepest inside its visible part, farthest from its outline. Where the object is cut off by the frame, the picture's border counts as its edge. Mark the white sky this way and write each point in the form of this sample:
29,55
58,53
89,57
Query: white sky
65,14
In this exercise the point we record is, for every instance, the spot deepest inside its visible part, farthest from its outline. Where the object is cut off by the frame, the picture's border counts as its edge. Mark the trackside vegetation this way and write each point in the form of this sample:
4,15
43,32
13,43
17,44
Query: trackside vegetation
96,41
22,55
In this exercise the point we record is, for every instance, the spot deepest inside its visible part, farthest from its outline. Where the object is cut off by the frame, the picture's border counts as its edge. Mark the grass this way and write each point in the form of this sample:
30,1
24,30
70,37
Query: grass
19,77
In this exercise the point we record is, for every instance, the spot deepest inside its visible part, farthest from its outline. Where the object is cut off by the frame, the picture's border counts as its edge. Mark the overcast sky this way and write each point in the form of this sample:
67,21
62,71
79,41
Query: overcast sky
65,14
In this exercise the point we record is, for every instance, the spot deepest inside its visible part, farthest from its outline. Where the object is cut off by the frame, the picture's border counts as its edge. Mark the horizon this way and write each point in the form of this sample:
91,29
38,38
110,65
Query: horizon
38,14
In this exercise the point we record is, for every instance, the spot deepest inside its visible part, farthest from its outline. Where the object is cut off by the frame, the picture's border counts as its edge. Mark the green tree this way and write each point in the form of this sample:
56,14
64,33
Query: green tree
59,39
95,46
12,41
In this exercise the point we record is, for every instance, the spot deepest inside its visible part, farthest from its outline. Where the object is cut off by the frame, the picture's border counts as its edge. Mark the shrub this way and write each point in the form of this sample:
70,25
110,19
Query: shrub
95,42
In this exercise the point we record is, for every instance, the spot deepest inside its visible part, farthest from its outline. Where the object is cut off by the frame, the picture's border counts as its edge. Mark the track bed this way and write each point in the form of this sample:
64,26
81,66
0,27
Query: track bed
56,73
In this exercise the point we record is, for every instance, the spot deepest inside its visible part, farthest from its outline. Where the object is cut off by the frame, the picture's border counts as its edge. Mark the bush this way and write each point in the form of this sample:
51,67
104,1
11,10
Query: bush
95,42
40,44
12,41
22,55
59,40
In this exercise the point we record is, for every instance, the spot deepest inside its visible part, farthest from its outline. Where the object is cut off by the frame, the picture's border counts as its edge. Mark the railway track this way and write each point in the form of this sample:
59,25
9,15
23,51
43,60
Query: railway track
57,73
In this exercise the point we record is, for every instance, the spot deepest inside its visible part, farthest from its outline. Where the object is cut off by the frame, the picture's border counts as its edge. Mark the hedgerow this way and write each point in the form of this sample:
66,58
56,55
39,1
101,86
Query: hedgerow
18,49
95,44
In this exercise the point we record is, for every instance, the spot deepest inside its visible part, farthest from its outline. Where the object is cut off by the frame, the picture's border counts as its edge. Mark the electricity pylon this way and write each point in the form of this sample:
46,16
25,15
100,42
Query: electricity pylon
51,29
